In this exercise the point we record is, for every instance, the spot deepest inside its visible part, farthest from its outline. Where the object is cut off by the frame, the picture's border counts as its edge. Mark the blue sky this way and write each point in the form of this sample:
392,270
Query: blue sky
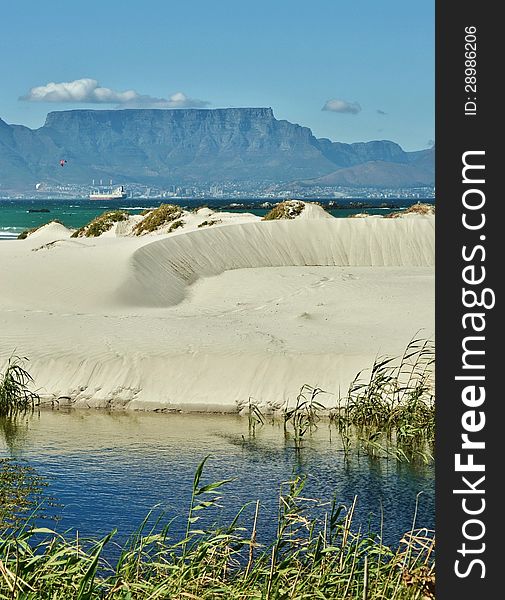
370,62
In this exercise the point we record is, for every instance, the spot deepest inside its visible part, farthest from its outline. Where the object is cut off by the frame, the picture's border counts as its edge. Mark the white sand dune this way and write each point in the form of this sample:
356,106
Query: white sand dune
162,270
50,232
205,319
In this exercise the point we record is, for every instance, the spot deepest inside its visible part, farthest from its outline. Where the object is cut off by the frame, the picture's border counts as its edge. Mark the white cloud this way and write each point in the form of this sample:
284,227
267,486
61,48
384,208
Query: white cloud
89,91
342,106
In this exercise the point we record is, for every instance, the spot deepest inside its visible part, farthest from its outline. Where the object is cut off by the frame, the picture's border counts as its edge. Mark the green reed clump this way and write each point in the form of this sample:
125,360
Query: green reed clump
15,393
304,416
395,403
254,416
325,557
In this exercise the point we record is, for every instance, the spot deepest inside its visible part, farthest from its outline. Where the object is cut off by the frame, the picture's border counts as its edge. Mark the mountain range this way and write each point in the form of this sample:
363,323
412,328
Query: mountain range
197,146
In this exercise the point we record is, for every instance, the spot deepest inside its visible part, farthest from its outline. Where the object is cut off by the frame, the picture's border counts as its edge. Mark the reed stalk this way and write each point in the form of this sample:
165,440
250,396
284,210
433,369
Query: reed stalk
309,558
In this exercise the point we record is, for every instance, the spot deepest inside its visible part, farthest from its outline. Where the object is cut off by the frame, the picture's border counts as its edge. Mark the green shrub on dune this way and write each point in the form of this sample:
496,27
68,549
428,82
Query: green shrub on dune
101,224
288,209
154,219
419,208
209,223
175,225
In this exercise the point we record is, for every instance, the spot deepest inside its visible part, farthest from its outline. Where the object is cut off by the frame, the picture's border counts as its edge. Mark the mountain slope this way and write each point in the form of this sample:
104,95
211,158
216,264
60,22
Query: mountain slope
378,174
183,146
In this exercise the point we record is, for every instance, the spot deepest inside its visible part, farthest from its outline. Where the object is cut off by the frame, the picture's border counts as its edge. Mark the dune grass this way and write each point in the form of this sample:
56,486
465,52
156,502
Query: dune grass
419,208
325,557
101,224
158,217
209,223
175,225
288,209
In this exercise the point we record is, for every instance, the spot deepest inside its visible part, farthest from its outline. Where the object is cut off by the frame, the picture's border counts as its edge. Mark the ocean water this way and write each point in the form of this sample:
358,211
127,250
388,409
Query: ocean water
108,469
18,215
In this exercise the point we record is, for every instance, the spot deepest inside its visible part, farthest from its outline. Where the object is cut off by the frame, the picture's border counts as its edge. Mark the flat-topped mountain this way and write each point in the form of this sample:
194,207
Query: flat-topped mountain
196,146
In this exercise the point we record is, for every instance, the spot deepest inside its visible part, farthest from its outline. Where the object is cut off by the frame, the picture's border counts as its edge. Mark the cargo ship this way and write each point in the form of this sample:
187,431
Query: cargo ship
117,193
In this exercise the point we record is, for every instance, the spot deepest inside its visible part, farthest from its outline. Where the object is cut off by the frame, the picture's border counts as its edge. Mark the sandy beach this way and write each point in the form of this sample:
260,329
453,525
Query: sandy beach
205,317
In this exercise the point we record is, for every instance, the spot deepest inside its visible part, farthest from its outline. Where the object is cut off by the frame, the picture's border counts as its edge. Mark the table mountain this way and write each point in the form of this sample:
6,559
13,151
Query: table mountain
192,146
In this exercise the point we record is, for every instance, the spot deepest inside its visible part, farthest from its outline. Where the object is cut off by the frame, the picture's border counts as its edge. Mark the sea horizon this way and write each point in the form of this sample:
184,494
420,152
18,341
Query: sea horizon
17,215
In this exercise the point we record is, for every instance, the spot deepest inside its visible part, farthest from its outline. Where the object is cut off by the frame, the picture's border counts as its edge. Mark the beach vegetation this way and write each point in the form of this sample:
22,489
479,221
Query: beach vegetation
24,234
317,551
419,208
304,415
324,556
387,411
209,223
255,417
392,409
159,217
288,209
16,395
175,225
101,224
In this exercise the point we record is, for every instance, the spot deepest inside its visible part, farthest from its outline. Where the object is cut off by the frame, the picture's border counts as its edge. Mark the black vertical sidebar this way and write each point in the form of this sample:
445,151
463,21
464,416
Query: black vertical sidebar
470,248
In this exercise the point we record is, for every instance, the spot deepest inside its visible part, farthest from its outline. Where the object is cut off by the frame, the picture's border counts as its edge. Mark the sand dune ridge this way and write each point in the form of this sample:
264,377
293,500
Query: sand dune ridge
161,271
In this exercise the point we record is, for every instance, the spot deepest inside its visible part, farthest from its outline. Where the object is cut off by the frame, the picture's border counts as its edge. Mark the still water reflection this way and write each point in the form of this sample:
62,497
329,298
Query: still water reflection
108,469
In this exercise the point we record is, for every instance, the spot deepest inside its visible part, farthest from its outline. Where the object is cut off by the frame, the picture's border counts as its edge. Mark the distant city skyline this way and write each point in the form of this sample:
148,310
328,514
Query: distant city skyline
350,71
